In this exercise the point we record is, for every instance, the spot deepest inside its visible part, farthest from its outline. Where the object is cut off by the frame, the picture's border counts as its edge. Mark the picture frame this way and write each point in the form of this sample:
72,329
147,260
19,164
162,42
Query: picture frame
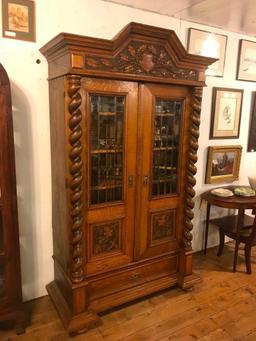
223,164
252,127
209,44
18,19
246,66
226,113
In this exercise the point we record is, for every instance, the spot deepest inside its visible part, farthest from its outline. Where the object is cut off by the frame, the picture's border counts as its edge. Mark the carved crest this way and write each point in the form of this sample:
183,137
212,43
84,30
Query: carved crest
141,58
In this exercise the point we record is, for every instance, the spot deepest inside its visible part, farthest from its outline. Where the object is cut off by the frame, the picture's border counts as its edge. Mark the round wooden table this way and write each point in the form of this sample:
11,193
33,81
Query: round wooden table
240,203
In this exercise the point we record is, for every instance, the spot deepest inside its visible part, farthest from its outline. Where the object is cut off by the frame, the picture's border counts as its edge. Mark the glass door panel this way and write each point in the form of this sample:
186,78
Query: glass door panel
163,117
166,136
106,148
110,167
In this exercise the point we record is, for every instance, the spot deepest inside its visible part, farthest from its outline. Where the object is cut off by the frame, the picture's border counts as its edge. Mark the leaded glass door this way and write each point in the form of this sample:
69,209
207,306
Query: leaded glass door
111,136
161,170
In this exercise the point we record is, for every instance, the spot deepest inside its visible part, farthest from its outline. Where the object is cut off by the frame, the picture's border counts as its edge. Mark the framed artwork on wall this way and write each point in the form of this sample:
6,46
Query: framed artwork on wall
252,128
226,113
209,45
18,19
246,67
223,163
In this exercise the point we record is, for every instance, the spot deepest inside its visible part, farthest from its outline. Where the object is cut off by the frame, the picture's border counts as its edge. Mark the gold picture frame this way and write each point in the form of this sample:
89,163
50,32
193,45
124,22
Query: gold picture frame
223,164
18,19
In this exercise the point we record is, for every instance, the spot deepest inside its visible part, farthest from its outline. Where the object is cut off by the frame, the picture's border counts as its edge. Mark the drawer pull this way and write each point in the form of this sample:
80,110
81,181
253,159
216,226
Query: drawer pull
135,276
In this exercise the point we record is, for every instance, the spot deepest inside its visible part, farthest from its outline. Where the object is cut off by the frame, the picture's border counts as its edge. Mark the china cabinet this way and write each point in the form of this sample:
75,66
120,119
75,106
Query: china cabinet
10,275
125,117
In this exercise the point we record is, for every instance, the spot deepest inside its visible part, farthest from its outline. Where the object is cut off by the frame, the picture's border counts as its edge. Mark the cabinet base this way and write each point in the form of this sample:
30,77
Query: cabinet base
18,316
75,324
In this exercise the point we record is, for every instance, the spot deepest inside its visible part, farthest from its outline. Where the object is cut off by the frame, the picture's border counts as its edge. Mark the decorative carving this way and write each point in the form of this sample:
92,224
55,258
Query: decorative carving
141,58
162,225
191,168
75,168
106,237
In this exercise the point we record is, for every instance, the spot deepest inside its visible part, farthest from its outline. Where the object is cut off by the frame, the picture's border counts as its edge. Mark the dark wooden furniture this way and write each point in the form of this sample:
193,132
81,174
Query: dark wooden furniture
125,118
10,275
230,225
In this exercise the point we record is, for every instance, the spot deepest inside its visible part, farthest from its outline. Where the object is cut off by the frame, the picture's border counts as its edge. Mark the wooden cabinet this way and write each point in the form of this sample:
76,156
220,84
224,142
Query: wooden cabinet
125,118
10,275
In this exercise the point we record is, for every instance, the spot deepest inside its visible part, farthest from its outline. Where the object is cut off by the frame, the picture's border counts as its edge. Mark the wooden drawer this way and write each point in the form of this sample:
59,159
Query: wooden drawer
108,284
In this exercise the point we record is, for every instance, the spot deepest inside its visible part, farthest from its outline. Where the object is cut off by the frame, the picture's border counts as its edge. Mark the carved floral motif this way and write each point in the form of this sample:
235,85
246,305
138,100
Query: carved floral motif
141,58
106,237
162,225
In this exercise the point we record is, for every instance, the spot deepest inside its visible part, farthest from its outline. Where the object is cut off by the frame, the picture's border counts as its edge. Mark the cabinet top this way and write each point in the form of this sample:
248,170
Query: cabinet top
138,52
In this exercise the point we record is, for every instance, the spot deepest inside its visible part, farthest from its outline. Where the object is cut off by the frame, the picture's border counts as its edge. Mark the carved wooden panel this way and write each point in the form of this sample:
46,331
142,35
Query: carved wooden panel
143,59
106,238
162,226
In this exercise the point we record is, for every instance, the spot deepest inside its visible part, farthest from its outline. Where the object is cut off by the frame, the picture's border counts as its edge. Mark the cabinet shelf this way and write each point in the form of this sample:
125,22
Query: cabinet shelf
156,149
168,114
103,187
107,151
165,167
106,113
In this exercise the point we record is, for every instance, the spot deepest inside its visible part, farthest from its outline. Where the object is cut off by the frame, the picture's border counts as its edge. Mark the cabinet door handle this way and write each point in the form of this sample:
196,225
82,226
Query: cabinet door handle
145,180
130,180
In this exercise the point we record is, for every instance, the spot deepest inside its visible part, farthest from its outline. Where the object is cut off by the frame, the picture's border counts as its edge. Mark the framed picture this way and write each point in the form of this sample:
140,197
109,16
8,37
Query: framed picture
226,113
209,44
252,128
223,163
246,67
18,18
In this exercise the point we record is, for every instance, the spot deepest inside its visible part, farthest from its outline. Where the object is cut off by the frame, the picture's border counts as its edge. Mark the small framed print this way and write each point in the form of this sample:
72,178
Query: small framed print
246,67
18,19
209,44
226,113
223,163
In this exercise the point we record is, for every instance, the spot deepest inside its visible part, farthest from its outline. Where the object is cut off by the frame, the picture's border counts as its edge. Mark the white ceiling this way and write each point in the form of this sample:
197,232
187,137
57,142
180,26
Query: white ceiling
230,15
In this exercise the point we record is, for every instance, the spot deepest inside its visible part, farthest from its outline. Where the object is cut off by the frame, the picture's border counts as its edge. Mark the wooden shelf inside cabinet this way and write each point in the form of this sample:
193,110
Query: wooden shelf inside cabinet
105,187
106,151
106,113
167,114
164,148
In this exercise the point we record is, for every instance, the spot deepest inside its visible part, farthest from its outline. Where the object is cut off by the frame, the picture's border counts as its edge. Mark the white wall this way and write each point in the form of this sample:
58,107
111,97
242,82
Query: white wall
31,118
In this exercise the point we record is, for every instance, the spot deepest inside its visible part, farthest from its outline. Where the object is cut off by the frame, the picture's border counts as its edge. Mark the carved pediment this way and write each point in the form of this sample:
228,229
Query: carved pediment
151,53
141,58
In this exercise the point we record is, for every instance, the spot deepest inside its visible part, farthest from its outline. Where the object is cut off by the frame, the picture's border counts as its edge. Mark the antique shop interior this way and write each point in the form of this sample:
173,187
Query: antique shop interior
127,170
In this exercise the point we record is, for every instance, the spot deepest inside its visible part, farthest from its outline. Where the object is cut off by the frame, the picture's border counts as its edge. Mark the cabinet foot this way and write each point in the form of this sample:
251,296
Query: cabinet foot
75,324
187,282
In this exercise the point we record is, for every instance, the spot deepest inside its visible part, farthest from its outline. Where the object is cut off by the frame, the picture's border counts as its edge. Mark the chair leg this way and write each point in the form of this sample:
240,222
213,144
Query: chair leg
221,245
235,255
247,251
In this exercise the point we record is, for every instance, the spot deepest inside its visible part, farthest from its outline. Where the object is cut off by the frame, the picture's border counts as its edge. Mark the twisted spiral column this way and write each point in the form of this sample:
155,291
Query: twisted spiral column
75,169
191,168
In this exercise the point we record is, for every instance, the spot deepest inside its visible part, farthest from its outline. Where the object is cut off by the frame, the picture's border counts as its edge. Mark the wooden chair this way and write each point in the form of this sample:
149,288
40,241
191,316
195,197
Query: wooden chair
242,232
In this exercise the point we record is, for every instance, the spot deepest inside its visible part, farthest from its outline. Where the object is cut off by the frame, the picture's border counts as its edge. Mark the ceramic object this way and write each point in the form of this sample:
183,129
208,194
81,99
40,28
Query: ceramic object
252,181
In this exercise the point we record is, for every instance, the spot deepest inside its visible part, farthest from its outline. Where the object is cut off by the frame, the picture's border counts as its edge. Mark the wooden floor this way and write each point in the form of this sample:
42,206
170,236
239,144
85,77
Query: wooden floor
221,307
